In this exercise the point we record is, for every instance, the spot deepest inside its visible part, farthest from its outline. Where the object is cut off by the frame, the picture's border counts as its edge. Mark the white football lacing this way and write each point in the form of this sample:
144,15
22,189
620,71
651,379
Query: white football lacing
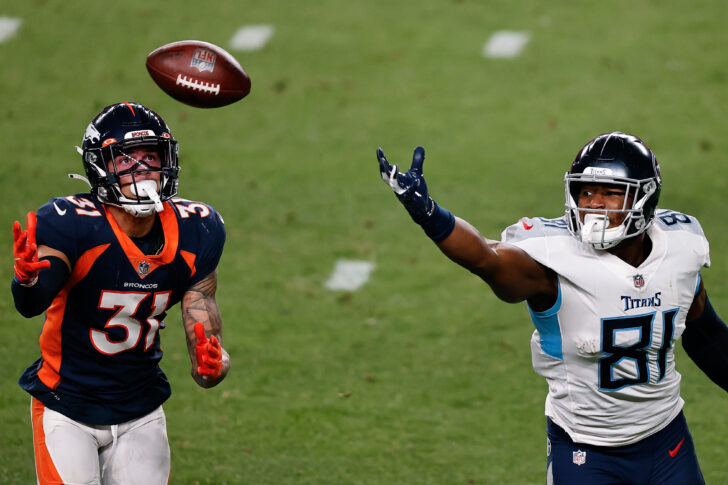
197,85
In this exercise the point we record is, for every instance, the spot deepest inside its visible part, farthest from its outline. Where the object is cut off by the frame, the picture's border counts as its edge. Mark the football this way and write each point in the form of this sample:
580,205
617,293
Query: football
198,73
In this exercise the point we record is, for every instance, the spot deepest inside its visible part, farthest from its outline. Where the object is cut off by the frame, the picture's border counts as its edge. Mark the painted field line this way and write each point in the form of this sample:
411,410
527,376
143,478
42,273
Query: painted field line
505,44
251,37
349,275
8,27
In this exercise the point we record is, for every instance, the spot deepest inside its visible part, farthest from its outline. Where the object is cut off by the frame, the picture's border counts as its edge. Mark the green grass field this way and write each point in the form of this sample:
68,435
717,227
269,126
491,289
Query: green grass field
421,376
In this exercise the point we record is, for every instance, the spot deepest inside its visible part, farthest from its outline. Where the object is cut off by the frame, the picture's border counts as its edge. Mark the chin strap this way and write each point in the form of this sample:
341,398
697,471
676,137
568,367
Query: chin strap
139,210
75,176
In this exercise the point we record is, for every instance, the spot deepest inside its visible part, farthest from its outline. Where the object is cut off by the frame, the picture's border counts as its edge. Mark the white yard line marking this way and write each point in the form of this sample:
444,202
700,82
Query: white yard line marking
349,275
251,37
8,28
505,44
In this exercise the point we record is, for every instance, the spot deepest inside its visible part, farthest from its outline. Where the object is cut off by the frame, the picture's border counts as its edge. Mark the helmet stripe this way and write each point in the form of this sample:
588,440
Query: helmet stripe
128,105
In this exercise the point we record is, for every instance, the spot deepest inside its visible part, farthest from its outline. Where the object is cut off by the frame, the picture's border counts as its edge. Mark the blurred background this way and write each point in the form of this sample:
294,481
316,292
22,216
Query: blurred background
419,375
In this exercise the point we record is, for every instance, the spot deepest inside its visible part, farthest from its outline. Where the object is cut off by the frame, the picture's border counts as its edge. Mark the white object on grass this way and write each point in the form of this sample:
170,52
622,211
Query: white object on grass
8,27
349,275
251,37
505,44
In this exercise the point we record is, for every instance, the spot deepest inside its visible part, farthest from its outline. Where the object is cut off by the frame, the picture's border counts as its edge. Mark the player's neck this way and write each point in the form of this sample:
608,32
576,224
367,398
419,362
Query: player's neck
634,250
131,225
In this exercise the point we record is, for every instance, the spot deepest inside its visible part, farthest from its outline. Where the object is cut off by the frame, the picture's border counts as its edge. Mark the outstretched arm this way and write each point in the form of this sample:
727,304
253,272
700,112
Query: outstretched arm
210,361
36,282
512,274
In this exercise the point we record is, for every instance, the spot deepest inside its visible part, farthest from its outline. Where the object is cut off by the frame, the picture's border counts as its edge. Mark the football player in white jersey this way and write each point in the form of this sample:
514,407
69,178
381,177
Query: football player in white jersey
610,287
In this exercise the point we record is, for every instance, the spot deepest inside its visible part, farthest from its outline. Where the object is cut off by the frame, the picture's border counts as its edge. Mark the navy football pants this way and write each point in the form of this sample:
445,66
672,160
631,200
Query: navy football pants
665,458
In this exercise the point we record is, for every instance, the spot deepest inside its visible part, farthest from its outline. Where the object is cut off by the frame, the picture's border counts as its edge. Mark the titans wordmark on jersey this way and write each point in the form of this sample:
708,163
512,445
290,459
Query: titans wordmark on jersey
606,346
100,344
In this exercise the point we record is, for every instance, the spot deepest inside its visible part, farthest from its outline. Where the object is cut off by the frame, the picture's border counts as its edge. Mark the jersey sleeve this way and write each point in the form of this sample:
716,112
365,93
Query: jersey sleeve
58,227
540,238
210,240
689,229
704,251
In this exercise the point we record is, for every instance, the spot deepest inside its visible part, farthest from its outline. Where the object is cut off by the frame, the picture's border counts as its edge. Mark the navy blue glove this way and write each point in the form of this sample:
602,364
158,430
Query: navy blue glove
411,190
410,187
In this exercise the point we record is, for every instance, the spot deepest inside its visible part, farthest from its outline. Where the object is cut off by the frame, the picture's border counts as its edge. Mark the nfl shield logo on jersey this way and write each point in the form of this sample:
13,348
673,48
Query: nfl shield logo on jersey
639,281
143,268
579,457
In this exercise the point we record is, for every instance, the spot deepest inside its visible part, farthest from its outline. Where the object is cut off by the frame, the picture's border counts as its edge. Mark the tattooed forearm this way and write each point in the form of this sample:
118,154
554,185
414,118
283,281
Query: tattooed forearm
199,305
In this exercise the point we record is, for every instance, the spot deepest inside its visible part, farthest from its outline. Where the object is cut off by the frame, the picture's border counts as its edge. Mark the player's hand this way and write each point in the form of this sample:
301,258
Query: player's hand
410,187
209,354
25,252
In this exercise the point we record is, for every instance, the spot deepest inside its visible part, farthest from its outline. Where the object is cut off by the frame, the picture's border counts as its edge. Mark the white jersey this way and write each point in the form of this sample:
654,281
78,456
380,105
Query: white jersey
606,346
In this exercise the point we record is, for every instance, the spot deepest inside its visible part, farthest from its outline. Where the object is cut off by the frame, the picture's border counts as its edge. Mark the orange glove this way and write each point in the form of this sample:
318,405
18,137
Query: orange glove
25,253
209,354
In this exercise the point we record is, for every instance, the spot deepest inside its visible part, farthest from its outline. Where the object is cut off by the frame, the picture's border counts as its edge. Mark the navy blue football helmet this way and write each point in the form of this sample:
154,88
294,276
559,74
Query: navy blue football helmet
118,129
620,160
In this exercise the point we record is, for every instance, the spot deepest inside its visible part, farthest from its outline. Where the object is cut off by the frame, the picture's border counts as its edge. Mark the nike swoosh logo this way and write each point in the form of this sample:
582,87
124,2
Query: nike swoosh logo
58,209
674,451
527,227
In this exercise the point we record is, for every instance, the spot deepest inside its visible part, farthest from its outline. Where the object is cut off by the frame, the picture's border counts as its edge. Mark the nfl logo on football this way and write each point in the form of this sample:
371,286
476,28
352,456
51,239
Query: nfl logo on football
203,60
579,457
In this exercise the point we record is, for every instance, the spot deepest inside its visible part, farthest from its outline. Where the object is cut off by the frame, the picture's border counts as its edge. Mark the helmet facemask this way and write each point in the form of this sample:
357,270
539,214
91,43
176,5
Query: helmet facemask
593,228
116,132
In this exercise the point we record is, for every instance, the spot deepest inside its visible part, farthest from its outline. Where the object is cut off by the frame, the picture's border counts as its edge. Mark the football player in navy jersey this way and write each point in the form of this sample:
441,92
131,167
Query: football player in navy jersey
105,267
610,287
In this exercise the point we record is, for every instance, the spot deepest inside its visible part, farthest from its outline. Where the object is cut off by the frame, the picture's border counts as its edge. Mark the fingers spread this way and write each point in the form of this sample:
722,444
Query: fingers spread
213,356
418,159
384,166
17,230
394,178
32,222
200,333
40,265
19,247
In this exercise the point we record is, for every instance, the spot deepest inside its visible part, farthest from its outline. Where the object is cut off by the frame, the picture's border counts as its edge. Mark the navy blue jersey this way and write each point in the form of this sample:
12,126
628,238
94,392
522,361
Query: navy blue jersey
100,345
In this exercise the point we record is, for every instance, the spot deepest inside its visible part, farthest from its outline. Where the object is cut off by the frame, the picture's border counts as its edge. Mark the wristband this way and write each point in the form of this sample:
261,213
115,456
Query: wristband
440,224
25,285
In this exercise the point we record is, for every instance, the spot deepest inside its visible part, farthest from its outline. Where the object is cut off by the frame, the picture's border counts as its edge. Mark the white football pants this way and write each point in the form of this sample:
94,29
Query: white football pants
72,453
